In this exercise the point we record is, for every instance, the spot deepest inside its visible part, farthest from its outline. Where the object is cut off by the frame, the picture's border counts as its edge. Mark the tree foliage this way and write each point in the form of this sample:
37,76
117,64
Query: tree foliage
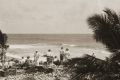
3,40
96,68
106,28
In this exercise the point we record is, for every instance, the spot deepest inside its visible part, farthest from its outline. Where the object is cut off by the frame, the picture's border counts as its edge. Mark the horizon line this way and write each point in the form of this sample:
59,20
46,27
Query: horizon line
51,33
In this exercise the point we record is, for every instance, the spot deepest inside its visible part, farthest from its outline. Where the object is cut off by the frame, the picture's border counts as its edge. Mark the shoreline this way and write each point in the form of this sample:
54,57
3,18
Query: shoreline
29,49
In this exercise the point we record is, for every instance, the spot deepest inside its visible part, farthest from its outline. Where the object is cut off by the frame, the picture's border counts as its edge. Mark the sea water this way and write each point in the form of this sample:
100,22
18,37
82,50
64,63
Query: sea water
78,44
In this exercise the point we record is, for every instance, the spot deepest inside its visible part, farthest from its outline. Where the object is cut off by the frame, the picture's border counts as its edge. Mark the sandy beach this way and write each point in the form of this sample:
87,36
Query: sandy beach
18,50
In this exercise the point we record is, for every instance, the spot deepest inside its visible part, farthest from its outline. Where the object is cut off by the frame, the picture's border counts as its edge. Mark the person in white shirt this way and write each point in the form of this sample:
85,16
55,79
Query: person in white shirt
42,59
11,63
36,57
49,53
56,59
67,54
22,62
6,64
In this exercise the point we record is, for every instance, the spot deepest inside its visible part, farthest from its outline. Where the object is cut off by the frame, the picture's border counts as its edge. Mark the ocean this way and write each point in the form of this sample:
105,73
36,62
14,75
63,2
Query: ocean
82,40
79,44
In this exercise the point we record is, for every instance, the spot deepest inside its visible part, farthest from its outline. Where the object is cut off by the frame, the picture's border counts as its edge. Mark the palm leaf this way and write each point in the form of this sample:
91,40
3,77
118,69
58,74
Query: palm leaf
106,28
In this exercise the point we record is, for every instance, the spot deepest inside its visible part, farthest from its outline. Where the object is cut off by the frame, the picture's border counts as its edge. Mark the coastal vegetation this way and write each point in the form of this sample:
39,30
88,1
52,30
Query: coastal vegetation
106,28
3,46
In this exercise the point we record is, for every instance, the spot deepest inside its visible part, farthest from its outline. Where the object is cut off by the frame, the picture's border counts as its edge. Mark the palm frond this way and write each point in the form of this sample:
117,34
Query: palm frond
106,28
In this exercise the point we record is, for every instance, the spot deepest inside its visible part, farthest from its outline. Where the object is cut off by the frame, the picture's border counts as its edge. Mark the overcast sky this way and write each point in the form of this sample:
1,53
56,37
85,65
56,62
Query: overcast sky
50,16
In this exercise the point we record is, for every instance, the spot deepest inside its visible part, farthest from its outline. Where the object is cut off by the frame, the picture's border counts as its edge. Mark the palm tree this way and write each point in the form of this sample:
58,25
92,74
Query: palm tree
106,28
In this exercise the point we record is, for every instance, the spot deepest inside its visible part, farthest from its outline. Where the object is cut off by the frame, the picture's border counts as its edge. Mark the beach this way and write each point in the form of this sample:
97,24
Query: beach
78,44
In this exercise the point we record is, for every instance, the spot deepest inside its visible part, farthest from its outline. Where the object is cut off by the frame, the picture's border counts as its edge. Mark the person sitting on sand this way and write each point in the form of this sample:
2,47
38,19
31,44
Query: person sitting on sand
56,61
67,54
11,63
49,57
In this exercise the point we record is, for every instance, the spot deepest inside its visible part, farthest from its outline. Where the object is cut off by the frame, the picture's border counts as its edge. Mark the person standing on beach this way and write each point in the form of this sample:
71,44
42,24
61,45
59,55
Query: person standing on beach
28,62
61,55
22,61
36,57
49,57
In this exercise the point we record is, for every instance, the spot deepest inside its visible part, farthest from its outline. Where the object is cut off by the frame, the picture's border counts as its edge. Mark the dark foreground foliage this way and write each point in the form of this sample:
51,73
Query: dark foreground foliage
90,67
106,28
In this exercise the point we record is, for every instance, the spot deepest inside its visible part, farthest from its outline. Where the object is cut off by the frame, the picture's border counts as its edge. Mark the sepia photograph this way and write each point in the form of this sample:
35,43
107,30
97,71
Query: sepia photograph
59,40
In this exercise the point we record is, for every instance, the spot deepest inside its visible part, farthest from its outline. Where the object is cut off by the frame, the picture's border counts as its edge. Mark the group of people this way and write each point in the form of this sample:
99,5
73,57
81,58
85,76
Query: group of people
49,58
64,55
7,64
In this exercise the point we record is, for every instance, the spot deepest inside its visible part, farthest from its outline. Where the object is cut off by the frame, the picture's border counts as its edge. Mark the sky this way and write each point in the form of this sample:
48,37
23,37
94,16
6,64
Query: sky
50,16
